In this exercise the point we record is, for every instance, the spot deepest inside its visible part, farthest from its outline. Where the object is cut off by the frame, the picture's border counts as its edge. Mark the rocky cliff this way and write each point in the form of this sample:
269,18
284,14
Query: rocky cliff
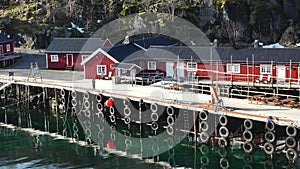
233,22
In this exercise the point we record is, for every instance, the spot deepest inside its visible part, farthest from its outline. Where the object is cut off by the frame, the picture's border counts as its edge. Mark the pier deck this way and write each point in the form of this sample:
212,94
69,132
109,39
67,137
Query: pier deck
240,108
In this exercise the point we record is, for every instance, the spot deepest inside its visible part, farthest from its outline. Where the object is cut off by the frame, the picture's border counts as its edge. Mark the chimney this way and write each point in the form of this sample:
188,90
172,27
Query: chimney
255,43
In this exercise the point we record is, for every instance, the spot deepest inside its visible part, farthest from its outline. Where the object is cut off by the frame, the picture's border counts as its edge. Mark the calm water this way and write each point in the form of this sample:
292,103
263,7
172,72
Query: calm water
25,149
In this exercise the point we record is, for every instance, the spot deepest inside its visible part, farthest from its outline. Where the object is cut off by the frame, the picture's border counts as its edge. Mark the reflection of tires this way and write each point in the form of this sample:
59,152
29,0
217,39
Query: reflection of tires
247,135
222,142
291,131
268,148
223,120
269,136
223,131
204,161
204,149
248,124
248,147
291,154
224,163
290,142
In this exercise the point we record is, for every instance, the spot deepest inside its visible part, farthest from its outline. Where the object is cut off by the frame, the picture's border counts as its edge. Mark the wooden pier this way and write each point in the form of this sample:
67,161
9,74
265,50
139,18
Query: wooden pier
233,120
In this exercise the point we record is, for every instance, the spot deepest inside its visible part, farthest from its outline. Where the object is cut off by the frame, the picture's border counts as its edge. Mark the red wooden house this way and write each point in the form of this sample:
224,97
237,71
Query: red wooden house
99,65
267,65
68,53
6,46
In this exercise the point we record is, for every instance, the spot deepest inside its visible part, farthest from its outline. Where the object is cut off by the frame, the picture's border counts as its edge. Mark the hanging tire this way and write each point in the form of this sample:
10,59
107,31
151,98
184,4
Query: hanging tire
153,107
99,106
126,102
269,148
204,126
203,115
291,131
99,98
204,137
154,126
86,96
170,110
269,136
248,136
154,117
73,94
248,147
112,110
112,118
127,120
223,120
127,111
291,154
170,120
248,124
223,131
222,142
290,142
170,130
270,125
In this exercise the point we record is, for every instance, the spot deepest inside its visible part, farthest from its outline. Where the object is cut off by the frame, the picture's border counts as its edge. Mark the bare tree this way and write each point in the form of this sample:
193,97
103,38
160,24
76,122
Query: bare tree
234,31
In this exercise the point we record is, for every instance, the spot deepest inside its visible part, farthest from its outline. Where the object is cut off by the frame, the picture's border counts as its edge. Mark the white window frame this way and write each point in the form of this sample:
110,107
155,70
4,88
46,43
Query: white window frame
233,68
54,58
266,69
7,47
100,73
83,57
191,66
151,65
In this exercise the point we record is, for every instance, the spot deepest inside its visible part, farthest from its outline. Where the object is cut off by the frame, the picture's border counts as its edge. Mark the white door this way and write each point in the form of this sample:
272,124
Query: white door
180,70
169,69
281,73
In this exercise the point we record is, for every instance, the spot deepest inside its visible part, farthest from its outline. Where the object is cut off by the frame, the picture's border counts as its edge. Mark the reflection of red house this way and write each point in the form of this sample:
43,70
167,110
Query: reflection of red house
68,53
6,45
99,65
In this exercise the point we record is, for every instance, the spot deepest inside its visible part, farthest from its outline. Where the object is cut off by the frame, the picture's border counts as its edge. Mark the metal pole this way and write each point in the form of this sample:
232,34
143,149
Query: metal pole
210,69
253,69
290,84
231,70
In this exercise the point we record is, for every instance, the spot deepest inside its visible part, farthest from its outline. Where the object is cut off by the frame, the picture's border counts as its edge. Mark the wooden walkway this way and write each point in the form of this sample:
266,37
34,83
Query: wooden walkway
240,108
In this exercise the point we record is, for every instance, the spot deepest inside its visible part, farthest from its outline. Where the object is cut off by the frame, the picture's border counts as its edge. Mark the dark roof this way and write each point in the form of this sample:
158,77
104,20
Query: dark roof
4,39
74,45
205,54
154,41
125,66
124,51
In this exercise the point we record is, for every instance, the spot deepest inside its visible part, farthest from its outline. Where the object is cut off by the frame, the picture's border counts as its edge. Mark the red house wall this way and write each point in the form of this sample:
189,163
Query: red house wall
61,64
91,66
12,48
62,61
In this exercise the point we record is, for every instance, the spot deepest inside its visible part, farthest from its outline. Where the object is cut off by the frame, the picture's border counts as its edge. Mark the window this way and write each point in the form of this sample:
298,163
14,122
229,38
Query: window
101,69
191,66
151,65
84,57
8,47
265,69
233,68
54,58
